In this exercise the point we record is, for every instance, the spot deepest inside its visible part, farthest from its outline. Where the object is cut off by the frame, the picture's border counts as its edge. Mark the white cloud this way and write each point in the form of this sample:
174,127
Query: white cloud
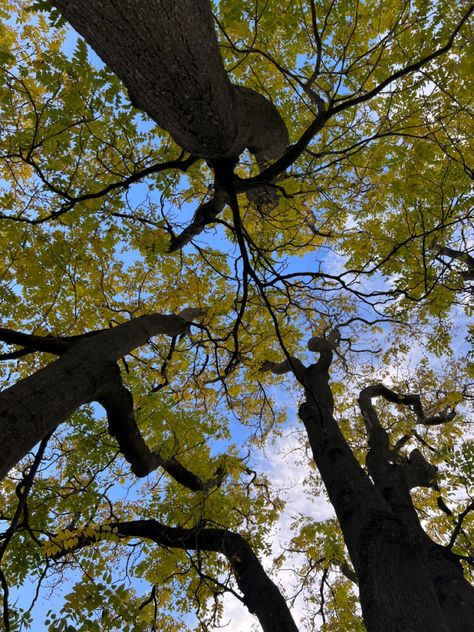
281,463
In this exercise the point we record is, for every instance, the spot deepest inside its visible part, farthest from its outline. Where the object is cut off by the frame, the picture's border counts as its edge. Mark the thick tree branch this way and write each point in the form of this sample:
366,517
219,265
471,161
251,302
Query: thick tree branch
34,406
318,344
30,342
415,470
291,364
348,572
414,401
118,403
206,214
325,346
464,257
57,345
260,594
14,355
459,521
167,55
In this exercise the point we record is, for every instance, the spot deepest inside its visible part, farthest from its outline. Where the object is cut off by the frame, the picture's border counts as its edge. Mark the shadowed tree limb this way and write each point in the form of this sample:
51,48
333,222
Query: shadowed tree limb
260,594
31,342
414,401
381,459
57,345
460,520
118,403
169,60
205,214
37,404
70,201
464,257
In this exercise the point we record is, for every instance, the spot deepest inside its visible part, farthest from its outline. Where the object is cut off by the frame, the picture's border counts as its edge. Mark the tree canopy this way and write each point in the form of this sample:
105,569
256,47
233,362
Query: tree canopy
236,280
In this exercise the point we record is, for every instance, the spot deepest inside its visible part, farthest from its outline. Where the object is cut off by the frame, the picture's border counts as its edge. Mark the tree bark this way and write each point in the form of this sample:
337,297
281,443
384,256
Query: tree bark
260,594
166,53
394,475
396,589
33,407
455,594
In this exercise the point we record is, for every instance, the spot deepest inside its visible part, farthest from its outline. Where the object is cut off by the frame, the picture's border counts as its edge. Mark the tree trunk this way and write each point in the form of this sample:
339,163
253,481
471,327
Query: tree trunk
166,53
454,593
396,589
33,407
394,478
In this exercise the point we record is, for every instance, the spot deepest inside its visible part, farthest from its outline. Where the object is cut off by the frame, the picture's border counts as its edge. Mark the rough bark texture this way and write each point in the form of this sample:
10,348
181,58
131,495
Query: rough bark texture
33,407
394,475
389,554
396,591
455,594
166,54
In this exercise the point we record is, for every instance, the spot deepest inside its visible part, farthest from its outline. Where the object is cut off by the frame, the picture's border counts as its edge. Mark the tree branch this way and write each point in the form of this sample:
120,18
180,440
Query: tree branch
291,364
465,257
205,214
118,403
71,201
410,68
37,404
416,470
414,401
295,150
31,342
260,594
460,520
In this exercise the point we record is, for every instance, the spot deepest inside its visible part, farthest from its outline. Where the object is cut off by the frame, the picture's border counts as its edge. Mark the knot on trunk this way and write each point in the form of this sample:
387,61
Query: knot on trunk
418,472
261,128
306,411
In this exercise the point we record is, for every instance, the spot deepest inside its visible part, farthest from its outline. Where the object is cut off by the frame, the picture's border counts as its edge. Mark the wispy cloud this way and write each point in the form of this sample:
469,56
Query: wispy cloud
282,463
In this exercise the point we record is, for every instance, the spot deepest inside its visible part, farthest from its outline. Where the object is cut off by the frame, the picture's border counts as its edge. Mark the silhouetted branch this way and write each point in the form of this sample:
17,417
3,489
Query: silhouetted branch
118,403
260,594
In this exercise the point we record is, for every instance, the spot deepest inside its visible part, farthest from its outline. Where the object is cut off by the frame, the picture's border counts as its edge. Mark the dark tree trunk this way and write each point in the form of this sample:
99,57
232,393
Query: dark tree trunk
406,581
455,594
33,407
393,478
166,54
396,591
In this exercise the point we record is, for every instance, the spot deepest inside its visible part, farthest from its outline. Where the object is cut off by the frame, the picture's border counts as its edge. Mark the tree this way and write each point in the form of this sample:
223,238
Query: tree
378,171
